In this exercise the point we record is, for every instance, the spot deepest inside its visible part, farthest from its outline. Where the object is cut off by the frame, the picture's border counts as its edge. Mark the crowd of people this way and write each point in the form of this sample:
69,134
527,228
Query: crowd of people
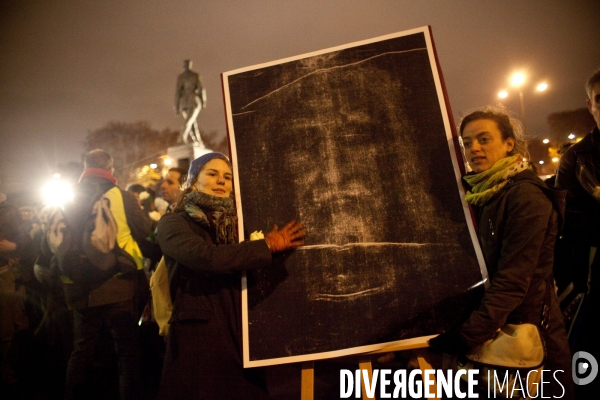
171,326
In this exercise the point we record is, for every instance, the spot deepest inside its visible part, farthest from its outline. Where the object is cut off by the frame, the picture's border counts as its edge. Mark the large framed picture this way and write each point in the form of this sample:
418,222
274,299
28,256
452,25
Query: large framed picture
357,143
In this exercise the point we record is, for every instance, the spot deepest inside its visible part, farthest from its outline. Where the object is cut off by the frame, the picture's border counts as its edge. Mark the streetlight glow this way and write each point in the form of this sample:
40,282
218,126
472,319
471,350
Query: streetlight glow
541,162
571,136
153,165
517,79
168,161
555,159
546,141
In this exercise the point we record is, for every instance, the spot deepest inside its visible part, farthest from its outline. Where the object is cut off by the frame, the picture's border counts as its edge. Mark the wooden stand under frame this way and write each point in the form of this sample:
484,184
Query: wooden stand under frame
419,353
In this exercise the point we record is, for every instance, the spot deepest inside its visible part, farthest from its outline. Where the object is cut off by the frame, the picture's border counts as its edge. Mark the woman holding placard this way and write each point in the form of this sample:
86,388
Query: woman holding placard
518,217
204,260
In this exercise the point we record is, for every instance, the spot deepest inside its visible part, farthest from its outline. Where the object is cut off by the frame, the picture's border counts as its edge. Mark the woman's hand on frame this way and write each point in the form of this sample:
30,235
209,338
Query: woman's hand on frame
286,238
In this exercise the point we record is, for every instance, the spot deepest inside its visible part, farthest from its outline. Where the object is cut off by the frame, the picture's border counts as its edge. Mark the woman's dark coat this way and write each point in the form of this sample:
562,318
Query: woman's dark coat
517,230
204,359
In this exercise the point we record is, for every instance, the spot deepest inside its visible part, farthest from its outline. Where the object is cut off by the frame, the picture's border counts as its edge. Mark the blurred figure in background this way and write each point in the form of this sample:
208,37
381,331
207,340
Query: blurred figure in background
579,174
115,302
17,256
171,186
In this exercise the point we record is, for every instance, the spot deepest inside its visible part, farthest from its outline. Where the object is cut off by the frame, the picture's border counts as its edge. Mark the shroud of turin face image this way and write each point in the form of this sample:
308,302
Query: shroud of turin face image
352,143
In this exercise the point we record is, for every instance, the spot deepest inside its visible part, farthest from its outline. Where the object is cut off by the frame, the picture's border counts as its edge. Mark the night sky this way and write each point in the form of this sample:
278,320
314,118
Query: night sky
68,67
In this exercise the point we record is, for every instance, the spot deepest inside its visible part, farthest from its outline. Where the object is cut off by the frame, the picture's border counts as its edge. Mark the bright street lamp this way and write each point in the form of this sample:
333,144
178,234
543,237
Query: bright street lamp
517,80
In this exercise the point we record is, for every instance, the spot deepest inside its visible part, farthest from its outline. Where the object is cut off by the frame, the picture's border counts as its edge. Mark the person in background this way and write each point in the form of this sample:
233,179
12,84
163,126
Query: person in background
113,304
16,252
517,216
152,345
149,247
145,198
136,189
156,316
579,174
29,216
204,259
159,281
171,186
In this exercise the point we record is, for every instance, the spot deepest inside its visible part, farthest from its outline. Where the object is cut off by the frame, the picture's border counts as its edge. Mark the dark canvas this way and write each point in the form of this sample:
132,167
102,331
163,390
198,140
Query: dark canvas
352,143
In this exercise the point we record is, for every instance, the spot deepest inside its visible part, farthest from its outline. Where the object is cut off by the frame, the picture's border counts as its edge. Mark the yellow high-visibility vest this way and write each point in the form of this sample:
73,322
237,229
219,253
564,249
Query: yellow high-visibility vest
124,238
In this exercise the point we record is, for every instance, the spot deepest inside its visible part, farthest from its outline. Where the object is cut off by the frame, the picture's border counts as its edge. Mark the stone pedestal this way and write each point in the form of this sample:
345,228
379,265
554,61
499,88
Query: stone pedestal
183,154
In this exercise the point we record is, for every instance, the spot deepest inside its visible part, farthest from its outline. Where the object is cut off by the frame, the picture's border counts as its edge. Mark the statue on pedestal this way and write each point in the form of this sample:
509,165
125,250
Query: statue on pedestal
190,99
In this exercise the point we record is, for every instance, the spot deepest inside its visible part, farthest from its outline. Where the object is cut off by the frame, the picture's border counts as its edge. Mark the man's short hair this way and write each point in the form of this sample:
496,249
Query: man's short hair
98,159
591,82
182,174
135,188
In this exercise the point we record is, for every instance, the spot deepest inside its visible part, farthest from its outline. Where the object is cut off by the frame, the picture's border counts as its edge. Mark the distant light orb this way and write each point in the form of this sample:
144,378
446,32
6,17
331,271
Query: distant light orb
153,165
546,141
541,162
57,193
517,79
168,161
572,136
503,94
555,159
541,87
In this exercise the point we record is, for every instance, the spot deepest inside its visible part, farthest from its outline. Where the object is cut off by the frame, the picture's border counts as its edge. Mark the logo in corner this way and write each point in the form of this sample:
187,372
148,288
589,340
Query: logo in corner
584,368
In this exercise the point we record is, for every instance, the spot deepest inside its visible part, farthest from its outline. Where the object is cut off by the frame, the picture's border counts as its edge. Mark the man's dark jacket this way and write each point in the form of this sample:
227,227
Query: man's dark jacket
119,287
